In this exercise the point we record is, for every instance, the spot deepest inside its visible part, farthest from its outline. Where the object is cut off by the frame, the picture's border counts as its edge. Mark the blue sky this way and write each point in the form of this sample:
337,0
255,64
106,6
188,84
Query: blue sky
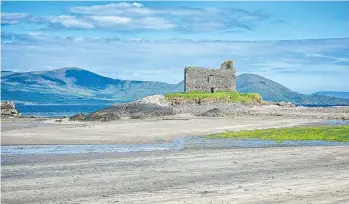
303,45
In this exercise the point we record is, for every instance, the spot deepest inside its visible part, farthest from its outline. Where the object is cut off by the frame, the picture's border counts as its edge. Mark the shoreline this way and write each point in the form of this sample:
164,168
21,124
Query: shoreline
135,131
60,115
178,144
157,106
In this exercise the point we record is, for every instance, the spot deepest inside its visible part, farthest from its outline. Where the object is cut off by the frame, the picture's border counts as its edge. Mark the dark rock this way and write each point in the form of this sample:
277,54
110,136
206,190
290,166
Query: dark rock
102,116
282,103
8,109
27,116
131,110
140,111
78,117
215,112
119,110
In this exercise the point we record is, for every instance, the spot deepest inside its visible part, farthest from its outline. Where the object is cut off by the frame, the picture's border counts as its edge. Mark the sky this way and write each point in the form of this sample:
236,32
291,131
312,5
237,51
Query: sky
302,45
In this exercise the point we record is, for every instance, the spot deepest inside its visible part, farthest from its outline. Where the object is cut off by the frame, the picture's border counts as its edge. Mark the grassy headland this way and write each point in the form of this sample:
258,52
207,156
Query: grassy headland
326,133
220,96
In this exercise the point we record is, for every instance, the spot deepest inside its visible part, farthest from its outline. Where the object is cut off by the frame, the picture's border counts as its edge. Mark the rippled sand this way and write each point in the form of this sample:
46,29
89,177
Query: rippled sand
253,175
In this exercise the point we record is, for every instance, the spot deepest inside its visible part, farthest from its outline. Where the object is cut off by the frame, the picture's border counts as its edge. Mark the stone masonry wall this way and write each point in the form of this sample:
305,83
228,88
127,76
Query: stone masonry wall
202,79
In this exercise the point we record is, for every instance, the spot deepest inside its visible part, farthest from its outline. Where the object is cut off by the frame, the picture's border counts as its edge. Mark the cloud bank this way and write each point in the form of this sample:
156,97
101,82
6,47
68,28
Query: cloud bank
151,41
137,17
302,65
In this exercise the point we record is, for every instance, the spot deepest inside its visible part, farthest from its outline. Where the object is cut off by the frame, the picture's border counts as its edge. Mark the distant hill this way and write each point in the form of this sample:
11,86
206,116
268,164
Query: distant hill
6,73
273,91
333,94
270,90
78,86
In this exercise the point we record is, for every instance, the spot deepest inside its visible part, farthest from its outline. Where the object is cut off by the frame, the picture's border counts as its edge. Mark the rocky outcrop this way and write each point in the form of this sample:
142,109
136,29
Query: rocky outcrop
135,110
339,112
139,111
157,106
104,116
229,109
8,109
155,99
213,113
282,104
78,117
205,101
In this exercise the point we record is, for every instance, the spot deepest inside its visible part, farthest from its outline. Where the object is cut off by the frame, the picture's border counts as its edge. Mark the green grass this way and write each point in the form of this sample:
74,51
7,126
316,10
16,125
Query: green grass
326,133
223,96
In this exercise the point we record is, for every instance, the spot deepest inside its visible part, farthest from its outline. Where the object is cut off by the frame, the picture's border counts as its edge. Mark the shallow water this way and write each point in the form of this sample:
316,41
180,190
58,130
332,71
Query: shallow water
57,110
177,144
337,122
73,149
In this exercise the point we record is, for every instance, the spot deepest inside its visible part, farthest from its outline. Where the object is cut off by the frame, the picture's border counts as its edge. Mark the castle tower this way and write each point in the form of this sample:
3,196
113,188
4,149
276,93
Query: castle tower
210,80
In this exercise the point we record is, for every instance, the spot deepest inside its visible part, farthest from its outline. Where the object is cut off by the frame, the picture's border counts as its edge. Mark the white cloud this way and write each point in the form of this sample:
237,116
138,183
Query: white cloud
154,23
12,18
177,19
122,8
110,20
125,16
71,22
137,4
36,34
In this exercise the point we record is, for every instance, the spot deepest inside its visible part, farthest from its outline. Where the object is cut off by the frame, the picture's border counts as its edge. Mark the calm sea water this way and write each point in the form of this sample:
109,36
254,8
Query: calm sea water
320,105
57,110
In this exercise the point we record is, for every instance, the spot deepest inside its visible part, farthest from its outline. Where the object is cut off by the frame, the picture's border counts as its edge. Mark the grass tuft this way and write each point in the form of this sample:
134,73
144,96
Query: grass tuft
325,133
220,96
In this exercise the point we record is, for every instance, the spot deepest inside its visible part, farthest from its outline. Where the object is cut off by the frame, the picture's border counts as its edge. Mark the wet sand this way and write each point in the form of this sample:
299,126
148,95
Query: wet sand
201,175
252,175
133,131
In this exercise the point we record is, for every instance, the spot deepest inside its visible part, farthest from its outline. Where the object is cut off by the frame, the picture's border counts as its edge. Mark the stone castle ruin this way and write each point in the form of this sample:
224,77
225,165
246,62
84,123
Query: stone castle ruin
210,80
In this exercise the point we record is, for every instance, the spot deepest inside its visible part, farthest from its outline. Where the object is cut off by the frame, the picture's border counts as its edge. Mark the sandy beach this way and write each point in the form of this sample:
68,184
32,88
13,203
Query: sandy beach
252,175
133,131
305,174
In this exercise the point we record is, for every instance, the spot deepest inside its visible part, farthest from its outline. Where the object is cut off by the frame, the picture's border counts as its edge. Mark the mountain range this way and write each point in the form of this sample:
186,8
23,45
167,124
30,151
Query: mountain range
78,86
334,94
273,91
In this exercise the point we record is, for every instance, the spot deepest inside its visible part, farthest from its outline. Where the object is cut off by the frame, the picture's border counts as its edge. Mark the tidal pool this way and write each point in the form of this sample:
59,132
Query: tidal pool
176,144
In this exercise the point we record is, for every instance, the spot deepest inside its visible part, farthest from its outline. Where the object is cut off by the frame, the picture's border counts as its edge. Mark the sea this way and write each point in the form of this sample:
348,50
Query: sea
55,111
312,105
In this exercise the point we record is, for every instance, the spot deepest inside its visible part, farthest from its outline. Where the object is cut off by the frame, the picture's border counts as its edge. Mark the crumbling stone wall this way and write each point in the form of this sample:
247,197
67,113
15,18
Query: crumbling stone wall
210,80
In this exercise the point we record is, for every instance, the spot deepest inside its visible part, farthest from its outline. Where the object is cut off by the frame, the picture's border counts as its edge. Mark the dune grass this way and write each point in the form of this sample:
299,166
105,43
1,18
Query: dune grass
325,133
222,96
